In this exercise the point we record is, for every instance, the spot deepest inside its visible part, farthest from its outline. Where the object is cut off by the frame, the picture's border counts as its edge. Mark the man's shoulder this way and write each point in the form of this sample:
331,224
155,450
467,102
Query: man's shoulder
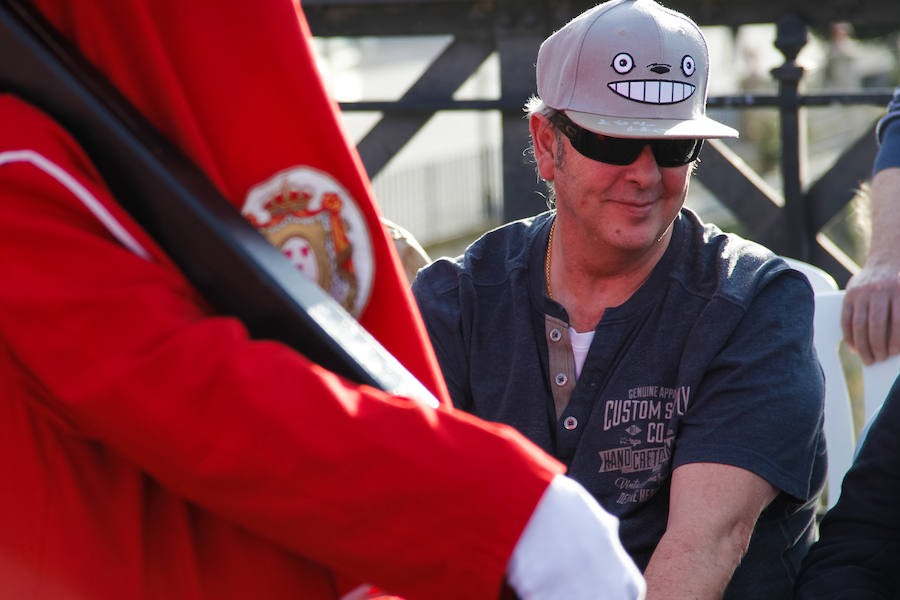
489,260
25,126
727,264
31,136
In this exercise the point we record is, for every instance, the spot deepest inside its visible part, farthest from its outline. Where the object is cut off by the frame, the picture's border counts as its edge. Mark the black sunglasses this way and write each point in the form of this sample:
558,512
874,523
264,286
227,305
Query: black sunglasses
624,151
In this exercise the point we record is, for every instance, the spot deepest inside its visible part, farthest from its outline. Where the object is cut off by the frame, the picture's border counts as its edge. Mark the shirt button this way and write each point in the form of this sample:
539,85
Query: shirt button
555,335
561,379
570,423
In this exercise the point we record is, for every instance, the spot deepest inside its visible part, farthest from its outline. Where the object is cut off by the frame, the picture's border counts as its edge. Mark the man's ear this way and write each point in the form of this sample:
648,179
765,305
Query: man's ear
543,135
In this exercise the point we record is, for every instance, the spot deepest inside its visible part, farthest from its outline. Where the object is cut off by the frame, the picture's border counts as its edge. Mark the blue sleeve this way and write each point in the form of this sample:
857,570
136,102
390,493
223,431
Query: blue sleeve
858,552
761,401
436,291
888,134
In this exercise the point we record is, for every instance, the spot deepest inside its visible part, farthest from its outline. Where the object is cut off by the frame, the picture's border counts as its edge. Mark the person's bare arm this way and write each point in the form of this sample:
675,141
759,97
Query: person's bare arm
712,511
871,315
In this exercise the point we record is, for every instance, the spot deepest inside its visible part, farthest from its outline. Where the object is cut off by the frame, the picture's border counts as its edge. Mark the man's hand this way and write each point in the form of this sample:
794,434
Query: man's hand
871,315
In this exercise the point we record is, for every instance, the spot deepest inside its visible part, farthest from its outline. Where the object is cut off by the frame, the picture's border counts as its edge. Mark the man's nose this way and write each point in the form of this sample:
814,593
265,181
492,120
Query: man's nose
644,169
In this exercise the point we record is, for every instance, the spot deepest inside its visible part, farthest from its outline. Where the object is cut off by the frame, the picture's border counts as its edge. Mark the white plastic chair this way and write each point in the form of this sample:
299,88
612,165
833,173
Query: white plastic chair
877,378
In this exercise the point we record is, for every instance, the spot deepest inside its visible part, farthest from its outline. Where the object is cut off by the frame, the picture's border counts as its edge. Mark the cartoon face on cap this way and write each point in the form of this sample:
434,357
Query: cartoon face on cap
630,68
641,60
654,82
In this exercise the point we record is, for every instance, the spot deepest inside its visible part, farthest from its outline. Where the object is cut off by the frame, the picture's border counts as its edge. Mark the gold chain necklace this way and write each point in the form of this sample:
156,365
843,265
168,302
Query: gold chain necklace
547,260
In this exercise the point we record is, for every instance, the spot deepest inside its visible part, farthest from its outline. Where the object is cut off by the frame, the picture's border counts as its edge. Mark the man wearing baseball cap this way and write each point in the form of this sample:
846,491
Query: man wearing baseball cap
152,448
669,365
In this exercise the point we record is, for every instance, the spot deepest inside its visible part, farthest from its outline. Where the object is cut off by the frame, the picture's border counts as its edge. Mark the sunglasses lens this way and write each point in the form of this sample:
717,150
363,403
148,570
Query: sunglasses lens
675,153
610,150
624,151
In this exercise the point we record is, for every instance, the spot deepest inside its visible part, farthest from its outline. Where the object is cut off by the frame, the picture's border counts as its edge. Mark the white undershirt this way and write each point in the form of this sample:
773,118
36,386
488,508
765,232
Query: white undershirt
580,344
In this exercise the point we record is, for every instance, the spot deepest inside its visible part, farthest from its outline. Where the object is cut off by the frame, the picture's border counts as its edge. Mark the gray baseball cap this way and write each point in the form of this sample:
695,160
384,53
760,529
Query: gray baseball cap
630,68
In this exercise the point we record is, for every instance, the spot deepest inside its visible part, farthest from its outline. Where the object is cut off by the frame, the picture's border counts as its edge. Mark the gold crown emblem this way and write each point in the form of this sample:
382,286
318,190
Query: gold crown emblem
288,201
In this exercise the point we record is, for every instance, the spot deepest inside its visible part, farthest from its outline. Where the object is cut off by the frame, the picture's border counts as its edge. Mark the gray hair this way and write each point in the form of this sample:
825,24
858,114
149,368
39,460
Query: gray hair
536,106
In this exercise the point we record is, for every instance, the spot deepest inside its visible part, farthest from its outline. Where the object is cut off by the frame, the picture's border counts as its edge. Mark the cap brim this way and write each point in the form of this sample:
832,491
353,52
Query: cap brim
701,127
